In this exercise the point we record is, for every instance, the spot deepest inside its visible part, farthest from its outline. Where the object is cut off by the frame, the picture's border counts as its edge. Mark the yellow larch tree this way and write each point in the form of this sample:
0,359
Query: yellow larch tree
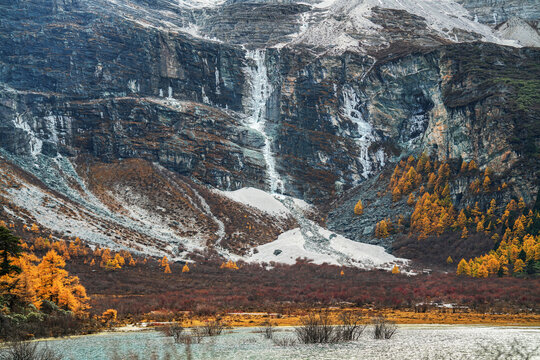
25,284
479,227
167,269
519,265
57,286
482,271
381,229
164,261
486,183
359,208
119,259
411,199
463,268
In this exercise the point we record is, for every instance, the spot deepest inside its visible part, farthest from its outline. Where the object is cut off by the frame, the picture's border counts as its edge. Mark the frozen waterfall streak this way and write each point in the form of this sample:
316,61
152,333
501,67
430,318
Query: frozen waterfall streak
314,241
364,134
35,142
261,90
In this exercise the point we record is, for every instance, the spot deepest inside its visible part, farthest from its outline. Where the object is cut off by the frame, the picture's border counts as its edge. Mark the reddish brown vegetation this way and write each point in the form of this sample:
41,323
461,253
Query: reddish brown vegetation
136,291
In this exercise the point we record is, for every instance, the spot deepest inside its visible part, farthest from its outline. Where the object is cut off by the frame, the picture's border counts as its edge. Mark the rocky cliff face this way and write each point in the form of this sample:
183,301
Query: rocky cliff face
499,11
294,98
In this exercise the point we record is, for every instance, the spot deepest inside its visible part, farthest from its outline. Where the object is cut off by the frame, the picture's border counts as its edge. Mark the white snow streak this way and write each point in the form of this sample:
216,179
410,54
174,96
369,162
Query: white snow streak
261,89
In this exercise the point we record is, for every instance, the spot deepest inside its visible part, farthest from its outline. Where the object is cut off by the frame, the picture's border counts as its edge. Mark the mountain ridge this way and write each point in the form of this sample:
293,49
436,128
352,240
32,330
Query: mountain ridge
197,98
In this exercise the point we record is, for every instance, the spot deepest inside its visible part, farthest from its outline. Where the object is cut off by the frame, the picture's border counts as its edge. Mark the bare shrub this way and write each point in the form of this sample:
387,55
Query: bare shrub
20,350
268,330
352,326
213,328
284,341
316,328
383,328
516,350
196,336
176,331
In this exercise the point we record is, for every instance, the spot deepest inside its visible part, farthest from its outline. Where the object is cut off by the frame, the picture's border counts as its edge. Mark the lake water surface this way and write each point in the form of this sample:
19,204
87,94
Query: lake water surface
410,342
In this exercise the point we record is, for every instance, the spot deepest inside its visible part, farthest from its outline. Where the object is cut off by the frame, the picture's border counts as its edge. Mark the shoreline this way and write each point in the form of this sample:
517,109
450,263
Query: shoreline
260,319
400,317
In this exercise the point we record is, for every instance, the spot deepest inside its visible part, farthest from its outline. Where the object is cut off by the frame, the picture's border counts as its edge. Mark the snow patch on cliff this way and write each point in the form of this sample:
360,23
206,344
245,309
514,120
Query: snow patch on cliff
519,30
35,142
346,17
197,4
363,133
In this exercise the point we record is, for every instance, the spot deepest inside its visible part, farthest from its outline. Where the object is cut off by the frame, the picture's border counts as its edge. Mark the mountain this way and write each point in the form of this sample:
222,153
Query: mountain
188,126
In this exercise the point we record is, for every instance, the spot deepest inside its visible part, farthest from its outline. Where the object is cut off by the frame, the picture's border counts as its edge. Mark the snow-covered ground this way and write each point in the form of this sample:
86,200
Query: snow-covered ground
292,245
309,240
263,201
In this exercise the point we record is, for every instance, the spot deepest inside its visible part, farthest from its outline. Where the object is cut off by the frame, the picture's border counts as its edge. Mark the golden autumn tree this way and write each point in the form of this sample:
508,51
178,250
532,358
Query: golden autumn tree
25,284
521,204
112,264
422,161
486,183
482,271
462,220
411,199
493,265
449,260
464,167
109,316
167,269
119,259
463,268
479,227
58,287
164,261
381,229
519,265
359,208
106,257
396,194
492,207
395,270
229,265
185,268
